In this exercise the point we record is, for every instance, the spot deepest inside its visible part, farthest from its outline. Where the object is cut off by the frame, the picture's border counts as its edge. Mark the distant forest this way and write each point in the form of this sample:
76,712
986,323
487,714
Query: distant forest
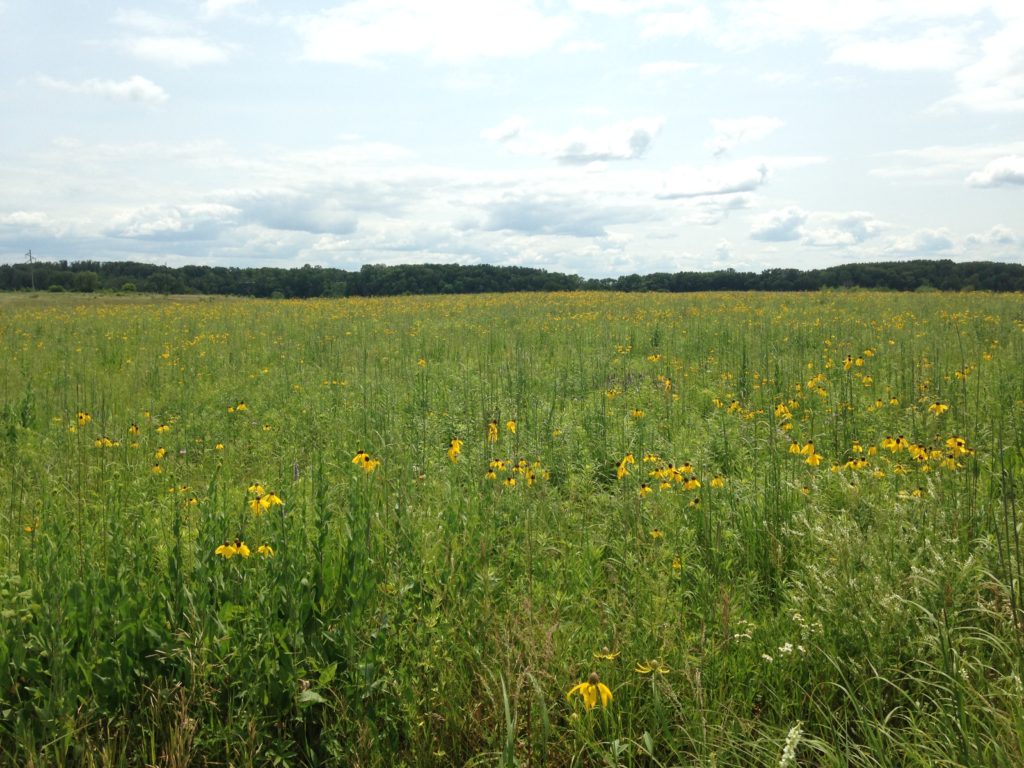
379,280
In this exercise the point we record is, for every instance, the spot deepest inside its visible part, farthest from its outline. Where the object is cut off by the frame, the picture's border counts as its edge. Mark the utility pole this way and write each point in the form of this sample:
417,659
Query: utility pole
31,269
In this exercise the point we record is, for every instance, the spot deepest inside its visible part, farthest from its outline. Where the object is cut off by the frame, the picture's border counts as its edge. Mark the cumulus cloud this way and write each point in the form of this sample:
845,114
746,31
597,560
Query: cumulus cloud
294,210
942,160
504,131
618,141
686,182
994,81
938,49
175,51
203,221
708,211
361,31
680,23
666,67
135,88
921,242
214,8
554,214
998,235
144,21
729,133
820,228
839,230
623,140
999,172
779,226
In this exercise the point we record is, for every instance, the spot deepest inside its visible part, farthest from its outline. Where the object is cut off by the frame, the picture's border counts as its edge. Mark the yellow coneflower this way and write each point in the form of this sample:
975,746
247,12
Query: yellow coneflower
651,667
591,691
718,482
266,550
645,489
623,468
227,550
510,425
605,654
938,408
454,449
492,431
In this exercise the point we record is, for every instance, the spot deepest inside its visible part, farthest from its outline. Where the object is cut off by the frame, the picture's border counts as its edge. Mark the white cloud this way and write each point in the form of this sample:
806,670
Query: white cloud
203,221
697,19
995,81
176,51
626,140
839,230
999,172
776,77
686,182
558,214
729,133
504,131
214,8
942,160
582,46
660,68
443,30
936,49
921,242
622,140
779,226
998,235
33,220
820,228
135,88
144,21
709,211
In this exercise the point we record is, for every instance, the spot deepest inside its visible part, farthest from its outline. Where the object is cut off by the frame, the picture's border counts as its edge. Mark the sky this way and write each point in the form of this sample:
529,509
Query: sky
595,137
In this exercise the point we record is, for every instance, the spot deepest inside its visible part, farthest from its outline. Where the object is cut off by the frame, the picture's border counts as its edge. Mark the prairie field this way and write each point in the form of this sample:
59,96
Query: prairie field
520,529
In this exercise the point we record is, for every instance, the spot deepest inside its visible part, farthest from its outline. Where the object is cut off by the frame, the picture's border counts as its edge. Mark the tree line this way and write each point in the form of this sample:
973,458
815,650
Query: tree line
380,280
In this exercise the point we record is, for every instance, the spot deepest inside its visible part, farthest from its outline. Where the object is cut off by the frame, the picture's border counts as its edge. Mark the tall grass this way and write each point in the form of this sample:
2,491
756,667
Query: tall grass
752,607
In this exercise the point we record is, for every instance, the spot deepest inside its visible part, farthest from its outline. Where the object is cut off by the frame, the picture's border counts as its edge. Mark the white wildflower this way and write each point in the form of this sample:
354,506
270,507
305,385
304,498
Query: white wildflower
789,750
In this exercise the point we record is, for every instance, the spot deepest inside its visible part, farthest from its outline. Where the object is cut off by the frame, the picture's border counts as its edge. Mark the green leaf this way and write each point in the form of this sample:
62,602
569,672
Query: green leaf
309,697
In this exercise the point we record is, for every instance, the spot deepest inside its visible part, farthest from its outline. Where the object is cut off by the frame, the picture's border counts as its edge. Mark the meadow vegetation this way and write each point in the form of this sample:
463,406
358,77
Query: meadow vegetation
525,529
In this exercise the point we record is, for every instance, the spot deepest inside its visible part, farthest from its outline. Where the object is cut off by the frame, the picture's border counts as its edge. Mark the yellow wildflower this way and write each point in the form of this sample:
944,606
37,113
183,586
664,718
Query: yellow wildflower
510,425
591,690
492,431
454,449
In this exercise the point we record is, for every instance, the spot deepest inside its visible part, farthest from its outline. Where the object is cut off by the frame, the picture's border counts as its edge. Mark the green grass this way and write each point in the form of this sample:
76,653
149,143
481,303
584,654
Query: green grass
423,614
